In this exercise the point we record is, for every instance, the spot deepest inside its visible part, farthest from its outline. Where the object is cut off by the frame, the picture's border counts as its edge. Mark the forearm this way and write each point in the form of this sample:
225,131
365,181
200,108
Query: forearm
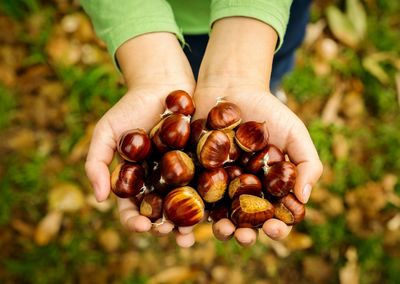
154,58
240,52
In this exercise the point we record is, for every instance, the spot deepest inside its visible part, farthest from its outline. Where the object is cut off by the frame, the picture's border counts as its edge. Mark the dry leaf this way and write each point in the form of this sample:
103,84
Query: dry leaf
350,273
66,197
82,146
22,227
64,51
203,232
356,13
297,241
330,112
313,32
48,228
317,269
109,240
129,261
342,27
340,147
372,65
175,274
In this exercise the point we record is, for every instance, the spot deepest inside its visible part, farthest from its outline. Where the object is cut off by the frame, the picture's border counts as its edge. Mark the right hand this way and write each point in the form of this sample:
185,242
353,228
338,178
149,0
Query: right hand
150,79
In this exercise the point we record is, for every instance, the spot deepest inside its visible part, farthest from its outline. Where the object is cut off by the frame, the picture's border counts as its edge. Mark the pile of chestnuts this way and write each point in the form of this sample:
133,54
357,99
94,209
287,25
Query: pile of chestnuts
181,169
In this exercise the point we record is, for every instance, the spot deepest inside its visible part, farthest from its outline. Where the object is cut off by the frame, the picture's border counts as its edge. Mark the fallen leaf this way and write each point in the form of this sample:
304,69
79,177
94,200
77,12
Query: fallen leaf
66,197
109,240
330,112
297,241
342,27
80,149
22,227
203,232
356,13
175,274
317,269
372,65
313,32
350,273
48,228
129,261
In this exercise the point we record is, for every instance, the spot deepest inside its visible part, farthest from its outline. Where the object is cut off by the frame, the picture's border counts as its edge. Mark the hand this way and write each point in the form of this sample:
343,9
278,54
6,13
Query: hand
286,131
140,107
237,67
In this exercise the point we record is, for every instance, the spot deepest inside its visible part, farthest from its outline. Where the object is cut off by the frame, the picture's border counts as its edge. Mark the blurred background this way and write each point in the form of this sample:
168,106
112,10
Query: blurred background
56,81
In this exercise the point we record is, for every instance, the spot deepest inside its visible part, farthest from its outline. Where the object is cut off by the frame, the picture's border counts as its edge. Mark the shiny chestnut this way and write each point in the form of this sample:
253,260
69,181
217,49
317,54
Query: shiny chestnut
212,184
252,136
183,206
134,145
249,211
234,150
197,129
213,149
127,180
279,179
245,184
225,115
175,131
181,102
177,168
265,158
219,210
244,158
233,171
152,206
289,210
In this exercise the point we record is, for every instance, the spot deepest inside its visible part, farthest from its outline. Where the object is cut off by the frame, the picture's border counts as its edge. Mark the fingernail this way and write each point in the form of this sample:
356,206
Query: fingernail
306,193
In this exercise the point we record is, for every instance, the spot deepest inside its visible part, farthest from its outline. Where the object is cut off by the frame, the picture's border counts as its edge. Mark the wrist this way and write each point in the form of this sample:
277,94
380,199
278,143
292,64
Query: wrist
154,59
240,52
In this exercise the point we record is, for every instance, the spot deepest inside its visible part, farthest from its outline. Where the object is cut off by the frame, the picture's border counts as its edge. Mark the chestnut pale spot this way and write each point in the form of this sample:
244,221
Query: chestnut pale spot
253,204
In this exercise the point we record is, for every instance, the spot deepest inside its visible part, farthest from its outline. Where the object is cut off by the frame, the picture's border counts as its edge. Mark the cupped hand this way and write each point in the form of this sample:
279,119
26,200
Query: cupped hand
286,131
139,108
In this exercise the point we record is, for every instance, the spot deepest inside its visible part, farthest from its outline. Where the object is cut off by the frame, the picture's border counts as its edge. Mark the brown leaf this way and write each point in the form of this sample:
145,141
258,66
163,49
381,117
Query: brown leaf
342,27
340,147
175,274
330,112
109,240
64,51
48,228
350,273
313,32
129,261
66,197
298,241
22,227
317,269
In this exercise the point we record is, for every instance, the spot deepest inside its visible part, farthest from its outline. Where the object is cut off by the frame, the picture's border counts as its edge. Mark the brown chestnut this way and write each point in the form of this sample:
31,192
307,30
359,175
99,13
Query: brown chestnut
158,144
224,115
249,211
177,168
279,178
197,129
127,180
134,145
175,131
212,184
266,157
213,149
244,158
234,150
151,206
156,183
181,102
290,210
233,171
252,136
183,206
245,184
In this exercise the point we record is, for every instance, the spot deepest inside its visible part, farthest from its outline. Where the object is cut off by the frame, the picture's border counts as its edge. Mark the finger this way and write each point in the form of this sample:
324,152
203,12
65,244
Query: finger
246,237
185,240
130,217
223,229
302,152
163,227
185,230
100,155
276,229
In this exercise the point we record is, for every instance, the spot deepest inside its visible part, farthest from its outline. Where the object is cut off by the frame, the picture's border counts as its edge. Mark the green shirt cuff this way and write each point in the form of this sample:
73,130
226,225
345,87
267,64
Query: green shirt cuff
272,12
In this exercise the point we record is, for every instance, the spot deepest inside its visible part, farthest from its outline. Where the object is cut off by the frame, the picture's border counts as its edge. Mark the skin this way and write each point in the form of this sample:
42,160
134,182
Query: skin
237,67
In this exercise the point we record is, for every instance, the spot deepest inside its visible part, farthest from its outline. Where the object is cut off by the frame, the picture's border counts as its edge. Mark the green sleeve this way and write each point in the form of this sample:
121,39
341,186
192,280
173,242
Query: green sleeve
116,21
273,12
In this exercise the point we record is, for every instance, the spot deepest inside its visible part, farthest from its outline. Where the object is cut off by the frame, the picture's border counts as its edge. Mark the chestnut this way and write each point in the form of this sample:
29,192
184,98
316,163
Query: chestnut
233,171
249,211
134,145
177,168
213,149
290,210
183,206
252,136
197,129
158,144
212,184
279,179
175,131
245,184
234,151
244,158
127,180
266,157
219,210
224,115
181,102
151,206
157,183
